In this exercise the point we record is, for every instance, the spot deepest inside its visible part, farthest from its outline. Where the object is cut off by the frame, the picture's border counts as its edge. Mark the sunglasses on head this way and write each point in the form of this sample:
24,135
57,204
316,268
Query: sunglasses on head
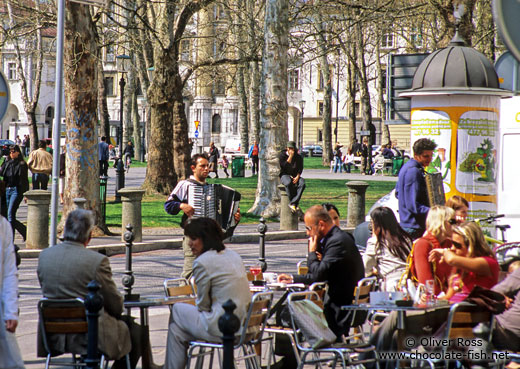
457,245
452,221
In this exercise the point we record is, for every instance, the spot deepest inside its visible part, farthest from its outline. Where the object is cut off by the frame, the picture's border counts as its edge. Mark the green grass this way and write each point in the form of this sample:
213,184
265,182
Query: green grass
318,191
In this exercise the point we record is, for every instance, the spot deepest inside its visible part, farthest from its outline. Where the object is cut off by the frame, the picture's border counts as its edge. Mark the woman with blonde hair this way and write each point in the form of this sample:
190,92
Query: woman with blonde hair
437,236
472,260
461,207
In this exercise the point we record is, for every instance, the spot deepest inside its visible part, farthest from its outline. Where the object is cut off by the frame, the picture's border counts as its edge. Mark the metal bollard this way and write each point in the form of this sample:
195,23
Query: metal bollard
103,196
262,228
128,279
228,325
93,304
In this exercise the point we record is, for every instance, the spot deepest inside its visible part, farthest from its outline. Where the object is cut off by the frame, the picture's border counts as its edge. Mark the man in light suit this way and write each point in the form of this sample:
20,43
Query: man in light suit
65,270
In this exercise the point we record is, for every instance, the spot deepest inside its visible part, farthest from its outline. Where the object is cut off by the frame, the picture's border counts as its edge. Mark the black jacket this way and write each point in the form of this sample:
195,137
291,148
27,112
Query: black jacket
294,168
15,173
341,267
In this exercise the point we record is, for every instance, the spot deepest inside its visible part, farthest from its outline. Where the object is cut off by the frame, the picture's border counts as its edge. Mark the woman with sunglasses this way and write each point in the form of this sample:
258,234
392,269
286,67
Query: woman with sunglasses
438,234
388,248
472,261
461,207
15,173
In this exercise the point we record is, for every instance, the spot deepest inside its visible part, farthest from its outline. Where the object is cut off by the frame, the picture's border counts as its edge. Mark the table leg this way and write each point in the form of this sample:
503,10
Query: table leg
146,349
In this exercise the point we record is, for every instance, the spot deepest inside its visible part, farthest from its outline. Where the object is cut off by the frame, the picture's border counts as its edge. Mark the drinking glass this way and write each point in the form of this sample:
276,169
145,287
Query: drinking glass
429,288
255,270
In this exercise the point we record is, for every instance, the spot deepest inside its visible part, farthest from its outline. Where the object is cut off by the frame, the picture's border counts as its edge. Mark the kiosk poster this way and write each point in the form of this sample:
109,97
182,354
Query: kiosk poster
436,126
477,142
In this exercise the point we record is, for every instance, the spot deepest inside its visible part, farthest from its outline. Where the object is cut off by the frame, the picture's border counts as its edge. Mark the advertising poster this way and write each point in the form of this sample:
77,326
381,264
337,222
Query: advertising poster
436,126
477,141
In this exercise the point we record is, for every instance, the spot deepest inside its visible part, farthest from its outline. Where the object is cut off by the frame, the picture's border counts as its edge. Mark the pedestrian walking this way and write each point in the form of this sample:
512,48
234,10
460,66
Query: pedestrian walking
225,165
15,174
253,154
40,164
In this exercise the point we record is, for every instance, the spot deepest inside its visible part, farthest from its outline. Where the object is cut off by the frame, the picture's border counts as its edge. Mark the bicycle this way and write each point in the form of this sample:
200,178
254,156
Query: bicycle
505,252
128,161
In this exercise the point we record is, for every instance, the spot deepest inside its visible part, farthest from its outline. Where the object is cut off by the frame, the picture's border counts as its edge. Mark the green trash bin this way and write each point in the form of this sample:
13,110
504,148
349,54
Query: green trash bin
237,166
397,163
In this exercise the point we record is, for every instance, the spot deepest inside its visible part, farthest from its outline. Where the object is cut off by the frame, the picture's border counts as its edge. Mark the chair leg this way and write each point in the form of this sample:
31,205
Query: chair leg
127,359
48,361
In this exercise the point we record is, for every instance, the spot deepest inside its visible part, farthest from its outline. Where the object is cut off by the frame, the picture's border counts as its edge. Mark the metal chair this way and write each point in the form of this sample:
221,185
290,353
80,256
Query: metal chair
179,287
250,333
346,354
361,296
302,267
68,317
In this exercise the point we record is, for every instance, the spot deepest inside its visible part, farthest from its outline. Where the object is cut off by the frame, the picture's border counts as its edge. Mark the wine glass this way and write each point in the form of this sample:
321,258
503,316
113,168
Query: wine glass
255,270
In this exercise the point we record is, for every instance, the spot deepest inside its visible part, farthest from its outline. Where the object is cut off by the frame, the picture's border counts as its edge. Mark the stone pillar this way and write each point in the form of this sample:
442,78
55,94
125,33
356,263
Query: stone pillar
79,202
131,214
288,219
38,202
356,202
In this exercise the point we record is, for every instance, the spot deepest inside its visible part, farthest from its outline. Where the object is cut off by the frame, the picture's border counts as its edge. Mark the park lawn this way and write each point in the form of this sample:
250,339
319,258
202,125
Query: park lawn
317,191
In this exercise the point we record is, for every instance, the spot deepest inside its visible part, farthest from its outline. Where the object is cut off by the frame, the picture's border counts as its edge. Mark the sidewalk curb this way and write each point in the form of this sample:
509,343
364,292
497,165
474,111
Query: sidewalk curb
175,243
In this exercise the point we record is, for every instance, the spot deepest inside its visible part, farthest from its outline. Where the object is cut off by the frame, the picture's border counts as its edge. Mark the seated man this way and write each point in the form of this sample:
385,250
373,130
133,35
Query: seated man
291,168
65,270
333,258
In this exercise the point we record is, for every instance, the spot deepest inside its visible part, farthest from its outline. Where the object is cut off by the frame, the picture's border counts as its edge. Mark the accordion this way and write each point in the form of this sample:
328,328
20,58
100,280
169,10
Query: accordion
435,188
214,201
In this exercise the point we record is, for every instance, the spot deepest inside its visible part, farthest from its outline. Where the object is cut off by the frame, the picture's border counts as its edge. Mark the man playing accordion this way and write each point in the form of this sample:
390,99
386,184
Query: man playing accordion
178,200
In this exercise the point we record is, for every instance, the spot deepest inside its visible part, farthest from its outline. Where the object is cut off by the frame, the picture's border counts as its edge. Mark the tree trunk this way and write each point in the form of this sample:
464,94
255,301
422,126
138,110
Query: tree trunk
242,115
254,102
128,100
33,129
182,151
273,119
137,127
381,83
81,93
104,117
351,100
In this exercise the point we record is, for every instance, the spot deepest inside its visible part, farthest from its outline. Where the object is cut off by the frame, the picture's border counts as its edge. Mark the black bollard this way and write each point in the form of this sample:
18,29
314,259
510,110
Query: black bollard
93,304
128,279
228,325
262,228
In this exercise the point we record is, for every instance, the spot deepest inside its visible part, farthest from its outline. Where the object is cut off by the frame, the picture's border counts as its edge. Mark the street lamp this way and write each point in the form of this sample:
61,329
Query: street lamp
120,170
300,131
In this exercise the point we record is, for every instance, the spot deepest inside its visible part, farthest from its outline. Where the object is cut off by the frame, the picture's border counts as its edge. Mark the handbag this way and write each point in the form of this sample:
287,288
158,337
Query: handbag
492,301
309,318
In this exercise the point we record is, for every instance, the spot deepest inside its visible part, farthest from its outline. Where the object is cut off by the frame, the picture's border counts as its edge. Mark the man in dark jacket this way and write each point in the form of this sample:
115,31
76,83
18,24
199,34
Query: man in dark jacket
291,168
410,189
333,258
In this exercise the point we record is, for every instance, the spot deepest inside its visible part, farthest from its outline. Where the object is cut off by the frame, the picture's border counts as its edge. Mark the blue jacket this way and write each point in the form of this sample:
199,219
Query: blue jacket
411,192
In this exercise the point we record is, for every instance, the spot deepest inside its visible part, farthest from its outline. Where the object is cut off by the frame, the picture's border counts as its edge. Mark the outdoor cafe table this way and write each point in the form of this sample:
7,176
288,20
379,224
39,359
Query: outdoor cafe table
144,303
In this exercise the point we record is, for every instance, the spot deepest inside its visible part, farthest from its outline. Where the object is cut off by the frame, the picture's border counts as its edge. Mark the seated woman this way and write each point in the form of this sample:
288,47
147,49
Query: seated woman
437,236
472,259
387,249
219,275
461,207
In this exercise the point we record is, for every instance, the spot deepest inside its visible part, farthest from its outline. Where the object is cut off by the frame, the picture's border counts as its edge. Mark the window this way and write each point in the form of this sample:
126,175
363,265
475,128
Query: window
416,40
215,124
110,54
383,79
320,135
109,86
220,87
387,41
357,109
11,71
185,50
294,79
320,108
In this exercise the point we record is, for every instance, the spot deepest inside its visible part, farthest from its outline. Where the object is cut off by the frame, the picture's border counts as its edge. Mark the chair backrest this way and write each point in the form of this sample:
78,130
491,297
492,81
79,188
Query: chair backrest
251,277
302,267
320,288
362,296
257,314
61,316
463,317
179,287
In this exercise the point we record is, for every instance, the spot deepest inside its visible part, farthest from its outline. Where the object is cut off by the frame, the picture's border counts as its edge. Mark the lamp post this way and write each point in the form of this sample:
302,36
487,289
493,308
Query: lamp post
120,170
300,131
143,132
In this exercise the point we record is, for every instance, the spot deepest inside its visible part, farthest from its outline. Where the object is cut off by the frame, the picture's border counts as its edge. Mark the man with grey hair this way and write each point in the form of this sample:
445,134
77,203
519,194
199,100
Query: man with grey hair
64,272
